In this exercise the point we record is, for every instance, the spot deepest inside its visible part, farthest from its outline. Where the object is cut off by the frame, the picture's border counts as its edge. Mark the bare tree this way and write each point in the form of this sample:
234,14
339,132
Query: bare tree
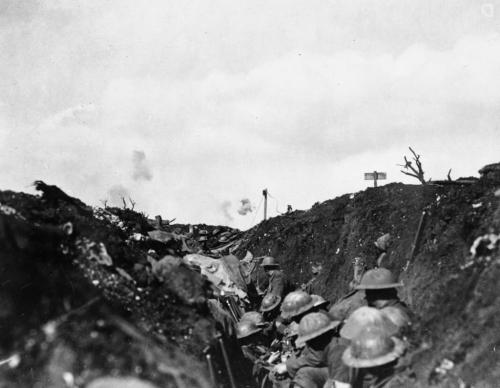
104,203
410,169
124,203
132,203
449,175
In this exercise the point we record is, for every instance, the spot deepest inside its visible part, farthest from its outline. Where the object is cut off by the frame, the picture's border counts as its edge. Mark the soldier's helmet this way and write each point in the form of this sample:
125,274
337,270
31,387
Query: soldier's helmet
296,303
253,316
400,318
372,347
270,302
313,325
378,279
367,317
319,301
269,263
246,328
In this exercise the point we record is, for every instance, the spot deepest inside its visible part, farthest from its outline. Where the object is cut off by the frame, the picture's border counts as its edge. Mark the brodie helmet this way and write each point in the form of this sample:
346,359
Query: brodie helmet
296,303
313,325
270,302
378,279
372,347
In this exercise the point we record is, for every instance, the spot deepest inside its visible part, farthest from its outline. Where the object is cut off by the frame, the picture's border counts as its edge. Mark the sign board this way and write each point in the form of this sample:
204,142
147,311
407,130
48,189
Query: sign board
375,176
370,176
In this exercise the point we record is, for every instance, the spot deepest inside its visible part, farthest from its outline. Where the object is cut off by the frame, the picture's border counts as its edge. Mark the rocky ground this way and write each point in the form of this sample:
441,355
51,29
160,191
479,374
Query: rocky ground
79,301
82,300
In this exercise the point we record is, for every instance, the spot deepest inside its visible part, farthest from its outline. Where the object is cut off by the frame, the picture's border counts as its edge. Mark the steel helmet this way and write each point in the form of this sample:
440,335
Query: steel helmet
377,279
253,316
270,302
367,317
372,347
319,301
313,325
399,317
246,328
269,262
296,303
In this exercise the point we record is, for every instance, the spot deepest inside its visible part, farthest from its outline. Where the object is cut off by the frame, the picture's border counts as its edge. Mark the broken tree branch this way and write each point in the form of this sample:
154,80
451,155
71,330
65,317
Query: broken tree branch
410,170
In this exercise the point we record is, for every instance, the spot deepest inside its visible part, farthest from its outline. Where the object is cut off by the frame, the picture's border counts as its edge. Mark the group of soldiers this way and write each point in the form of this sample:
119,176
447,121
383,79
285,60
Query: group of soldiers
296,340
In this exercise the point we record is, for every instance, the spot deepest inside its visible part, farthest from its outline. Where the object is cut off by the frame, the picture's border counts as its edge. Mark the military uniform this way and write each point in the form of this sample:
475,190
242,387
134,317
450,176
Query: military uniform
276,283
310,369
373,358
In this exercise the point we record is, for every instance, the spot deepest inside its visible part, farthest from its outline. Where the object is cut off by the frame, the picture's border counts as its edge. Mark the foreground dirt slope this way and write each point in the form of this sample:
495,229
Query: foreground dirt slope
456,296
80,303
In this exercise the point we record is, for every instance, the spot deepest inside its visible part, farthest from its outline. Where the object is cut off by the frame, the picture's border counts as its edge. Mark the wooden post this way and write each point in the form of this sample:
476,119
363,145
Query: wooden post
264,193
375,177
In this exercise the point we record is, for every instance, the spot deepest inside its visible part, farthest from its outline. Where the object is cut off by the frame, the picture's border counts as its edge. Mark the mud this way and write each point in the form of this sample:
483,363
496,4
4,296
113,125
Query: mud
455,297
71,311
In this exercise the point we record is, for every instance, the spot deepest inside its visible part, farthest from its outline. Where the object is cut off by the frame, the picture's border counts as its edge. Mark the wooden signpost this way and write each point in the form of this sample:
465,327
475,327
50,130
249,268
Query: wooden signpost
375,176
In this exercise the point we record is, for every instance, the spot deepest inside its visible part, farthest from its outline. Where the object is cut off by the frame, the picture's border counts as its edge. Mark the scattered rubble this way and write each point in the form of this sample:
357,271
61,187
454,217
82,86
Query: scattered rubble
107,297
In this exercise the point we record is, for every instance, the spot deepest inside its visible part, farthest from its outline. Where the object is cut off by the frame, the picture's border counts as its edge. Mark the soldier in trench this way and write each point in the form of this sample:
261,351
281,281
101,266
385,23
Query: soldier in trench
276,276
254,346
372,358
380,286
317,332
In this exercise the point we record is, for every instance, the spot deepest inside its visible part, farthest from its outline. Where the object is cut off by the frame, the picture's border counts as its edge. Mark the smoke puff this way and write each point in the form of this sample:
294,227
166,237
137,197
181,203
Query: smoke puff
246,207
141,169
116,193
224,207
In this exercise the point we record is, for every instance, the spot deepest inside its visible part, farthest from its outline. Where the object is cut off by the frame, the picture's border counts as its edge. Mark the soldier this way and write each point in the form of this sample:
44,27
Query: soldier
367,317
273,325
317,332
270,306
276,277
362,318
255,317
380,290
296,304
254,347
372,358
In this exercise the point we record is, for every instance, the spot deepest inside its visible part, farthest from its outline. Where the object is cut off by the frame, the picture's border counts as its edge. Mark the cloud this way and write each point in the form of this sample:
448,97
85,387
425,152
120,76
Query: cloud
275,103
141,169
245,208
224,207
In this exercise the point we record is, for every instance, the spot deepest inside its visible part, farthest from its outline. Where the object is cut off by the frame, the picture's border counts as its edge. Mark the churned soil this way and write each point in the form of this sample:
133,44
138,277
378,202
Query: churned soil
71,311
454,294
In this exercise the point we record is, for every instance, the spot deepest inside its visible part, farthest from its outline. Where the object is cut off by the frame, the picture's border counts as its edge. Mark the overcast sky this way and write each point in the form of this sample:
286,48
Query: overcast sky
191,106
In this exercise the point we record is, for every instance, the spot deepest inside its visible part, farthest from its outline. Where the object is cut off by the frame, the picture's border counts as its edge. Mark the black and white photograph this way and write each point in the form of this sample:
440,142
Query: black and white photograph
250,194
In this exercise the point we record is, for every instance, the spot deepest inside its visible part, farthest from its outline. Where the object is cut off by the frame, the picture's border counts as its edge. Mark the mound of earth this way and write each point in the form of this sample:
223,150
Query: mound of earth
454,292
79,303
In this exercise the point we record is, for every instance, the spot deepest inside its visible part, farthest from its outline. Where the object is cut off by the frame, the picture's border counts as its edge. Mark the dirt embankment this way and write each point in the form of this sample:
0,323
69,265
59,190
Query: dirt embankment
456,297
78,300
72,310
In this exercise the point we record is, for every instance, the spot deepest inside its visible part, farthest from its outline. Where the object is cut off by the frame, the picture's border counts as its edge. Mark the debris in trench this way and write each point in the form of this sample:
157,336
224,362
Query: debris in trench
482,249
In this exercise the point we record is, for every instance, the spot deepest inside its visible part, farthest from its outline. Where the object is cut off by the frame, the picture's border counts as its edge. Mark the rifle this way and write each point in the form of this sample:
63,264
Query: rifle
416,240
